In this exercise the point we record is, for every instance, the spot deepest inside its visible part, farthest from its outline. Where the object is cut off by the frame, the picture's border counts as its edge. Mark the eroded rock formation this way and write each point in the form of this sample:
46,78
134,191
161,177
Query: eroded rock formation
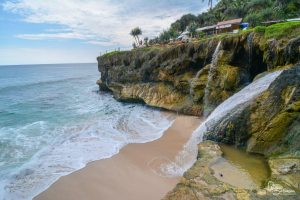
195,78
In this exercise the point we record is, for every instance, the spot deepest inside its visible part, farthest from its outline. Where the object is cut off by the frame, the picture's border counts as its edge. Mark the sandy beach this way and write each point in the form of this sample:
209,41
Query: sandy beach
129,175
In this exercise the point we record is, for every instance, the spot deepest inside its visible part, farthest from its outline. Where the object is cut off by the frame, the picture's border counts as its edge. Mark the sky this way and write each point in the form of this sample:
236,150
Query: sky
77,31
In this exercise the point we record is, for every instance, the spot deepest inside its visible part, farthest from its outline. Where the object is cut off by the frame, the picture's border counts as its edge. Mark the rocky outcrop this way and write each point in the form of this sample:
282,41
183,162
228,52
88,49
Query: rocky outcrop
269,125
195,78
199,181
186,78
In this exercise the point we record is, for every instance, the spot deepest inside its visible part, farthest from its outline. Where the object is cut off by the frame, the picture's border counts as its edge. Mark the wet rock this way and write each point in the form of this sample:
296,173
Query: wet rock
184,70
199,182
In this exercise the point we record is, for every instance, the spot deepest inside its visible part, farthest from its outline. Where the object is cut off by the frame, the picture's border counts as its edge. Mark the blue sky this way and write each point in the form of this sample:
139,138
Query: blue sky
72,31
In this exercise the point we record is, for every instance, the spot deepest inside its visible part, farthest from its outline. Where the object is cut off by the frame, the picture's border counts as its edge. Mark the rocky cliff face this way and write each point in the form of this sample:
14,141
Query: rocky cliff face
199,181
195,77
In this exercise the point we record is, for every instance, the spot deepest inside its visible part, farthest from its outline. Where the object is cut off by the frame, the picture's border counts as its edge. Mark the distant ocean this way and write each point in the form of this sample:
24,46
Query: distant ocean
54,121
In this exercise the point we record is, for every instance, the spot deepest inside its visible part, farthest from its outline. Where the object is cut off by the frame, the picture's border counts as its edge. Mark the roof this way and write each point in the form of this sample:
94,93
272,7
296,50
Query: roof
279,21
232,21
185,33
182,37
206,28
272,21
293,20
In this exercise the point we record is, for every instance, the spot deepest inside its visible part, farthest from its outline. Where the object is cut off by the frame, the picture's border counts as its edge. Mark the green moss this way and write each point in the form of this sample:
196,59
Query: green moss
260,29
286,29
113,53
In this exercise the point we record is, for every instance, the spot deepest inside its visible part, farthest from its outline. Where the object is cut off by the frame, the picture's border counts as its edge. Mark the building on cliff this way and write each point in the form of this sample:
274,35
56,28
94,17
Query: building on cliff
208,30
229,26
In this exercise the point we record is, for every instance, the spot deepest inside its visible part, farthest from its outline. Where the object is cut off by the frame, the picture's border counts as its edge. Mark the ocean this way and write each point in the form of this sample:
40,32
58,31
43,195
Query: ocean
54,120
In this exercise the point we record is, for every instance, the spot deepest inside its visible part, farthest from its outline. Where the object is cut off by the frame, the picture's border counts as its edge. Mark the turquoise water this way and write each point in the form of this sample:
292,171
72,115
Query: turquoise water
54,121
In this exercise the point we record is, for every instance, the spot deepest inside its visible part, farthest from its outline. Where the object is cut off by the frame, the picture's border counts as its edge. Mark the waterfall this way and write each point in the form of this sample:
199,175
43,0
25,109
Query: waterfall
250,47
238,101
212,70
207,52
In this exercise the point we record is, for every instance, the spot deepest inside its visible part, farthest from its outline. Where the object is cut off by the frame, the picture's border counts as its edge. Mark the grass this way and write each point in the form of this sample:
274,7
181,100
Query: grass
280,30
260,29
277,31
112,53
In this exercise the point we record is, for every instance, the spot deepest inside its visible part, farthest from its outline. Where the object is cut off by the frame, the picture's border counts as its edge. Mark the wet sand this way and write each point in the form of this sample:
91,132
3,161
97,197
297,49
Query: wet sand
129,175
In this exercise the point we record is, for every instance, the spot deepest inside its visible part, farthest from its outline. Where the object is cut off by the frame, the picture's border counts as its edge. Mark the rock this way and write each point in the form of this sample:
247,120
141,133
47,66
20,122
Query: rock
184,79
200,183
270,124
184,70
286,170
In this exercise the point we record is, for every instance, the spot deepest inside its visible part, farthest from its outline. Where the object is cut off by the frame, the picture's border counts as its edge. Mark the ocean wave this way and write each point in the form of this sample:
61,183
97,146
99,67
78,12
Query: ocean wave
71,147
42,83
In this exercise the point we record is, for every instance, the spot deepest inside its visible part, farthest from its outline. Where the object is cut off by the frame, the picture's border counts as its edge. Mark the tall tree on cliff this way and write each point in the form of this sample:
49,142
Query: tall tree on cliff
210,3
135,34
192,29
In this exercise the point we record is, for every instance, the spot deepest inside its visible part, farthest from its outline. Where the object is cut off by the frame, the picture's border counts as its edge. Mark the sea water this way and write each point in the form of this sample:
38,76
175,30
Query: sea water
53,121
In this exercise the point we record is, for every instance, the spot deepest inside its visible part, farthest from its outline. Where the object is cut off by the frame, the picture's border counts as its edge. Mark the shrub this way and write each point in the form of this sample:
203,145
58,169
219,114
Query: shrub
260,29
201,34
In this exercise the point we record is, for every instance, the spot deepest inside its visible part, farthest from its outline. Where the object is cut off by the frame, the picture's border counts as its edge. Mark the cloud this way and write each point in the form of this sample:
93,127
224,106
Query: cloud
101,43
44,36
46,55
95,21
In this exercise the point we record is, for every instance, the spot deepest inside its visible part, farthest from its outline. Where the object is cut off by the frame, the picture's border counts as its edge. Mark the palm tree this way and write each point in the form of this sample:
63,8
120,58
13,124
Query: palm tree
210,3
135,33
192,29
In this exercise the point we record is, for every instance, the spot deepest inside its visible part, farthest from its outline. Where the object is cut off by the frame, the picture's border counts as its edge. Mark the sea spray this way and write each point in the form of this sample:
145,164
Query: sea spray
238,101
211,73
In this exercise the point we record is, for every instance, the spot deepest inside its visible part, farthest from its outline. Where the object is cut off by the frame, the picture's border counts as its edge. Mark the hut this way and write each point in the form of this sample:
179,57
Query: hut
184,36
208,30
229,26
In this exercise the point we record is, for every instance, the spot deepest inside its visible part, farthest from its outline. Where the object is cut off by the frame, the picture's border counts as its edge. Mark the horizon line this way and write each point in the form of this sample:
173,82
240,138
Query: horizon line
2,65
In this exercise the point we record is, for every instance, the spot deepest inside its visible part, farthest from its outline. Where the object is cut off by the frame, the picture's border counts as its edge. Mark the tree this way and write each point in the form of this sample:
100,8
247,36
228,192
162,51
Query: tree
210,3
192,29
135,34
146,39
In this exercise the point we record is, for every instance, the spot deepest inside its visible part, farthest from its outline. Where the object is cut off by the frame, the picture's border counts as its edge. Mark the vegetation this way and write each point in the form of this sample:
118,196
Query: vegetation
192,29
109,54
210,3
135,33
290,29
252,11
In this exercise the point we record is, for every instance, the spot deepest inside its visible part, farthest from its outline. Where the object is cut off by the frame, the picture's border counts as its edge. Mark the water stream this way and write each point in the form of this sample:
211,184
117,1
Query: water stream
232,105
250,48
211,73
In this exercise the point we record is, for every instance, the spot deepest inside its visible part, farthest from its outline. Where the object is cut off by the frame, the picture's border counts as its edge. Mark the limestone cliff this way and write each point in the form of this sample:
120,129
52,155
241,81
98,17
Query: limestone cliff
195,77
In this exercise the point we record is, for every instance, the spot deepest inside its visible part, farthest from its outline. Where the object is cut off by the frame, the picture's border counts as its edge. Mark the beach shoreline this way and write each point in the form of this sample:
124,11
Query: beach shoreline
133,173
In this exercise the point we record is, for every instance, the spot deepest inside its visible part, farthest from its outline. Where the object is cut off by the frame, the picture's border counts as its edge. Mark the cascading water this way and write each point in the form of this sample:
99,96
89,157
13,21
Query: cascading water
212,70
238,101
250,47
207,52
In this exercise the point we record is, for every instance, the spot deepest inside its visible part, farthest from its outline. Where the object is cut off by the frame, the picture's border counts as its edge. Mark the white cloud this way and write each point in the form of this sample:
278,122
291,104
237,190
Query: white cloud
46,56
101,43
100,22
43,36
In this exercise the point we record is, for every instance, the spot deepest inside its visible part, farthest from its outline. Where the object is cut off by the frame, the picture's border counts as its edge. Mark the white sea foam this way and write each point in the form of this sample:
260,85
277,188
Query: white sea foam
51,128
78,145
